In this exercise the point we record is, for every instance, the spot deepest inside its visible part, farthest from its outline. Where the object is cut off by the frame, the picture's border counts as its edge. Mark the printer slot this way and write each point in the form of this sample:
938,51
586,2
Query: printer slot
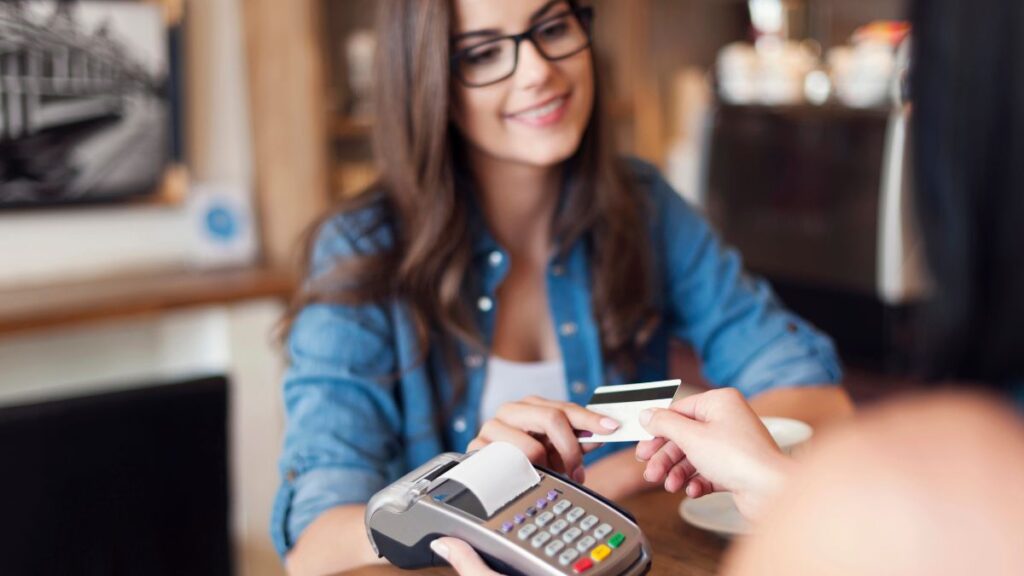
433,475
457,496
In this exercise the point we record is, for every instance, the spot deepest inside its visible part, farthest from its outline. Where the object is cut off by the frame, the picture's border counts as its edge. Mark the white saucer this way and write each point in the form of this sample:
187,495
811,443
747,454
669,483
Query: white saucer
716,513
787,432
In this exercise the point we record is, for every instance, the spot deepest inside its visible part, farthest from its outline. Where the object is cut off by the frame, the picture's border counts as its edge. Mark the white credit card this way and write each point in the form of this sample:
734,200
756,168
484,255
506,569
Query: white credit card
624,403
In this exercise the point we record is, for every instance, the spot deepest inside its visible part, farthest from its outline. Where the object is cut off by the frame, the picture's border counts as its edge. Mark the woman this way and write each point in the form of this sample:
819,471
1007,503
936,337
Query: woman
919,486
505,265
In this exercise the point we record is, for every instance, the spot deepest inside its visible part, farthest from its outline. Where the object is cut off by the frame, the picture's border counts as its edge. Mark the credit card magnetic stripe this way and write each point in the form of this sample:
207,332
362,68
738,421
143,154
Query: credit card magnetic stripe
663,391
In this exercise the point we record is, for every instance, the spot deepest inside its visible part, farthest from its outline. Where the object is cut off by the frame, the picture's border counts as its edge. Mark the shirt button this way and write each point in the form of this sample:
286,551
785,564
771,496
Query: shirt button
495,258
459,425
567,328
485,304
557,270
474,360
579,388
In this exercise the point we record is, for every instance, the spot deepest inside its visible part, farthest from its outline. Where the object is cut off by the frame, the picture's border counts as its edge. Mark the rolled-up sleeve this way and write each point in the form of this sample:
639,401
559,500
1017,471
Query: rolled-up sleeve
342,439
743,335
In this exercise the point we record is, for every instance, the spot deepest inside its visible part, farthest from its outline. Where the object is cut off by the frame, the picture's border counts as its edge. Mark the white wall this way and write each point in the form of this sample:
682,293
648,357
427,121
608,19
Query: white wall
232,340
258,428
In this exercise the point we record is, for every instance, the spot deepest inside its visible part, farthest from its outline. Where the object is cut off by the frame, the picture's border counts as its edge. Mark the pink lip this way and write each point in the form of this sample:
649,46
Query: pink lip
548,119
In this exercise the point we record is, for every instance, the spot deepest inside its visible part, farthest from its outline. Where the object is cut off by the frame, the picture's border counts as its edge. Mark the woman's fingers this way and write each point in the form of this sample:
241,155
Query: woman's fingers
673,426
496,430
554,458
550,421
461,556
678,476
552,426
579,417
662,462
707,406
699,486
648,448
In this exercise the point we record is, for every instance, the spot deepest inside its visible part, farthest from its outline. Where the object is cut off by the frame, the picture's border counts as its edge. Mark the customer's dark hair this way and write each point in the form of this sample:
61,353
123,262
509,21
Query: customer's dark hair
968,113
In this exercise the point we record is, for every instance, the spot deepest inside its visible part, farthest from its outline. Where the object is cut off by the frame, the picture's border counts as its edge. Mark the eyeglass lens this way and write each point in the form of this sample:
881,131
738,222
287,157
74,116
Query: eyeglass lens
555,38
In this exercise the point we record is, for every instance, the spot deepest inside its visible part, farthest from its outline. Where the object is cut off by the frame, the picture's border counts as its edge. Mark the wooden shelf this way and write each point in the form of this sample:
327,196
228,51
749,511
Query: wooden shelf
344,127
60,305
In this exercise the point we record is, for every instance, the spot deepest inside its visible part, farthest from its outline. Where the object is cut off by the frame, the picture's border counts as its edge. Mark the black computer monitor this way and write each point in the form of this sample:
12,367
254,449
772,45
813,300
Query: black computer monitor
123,483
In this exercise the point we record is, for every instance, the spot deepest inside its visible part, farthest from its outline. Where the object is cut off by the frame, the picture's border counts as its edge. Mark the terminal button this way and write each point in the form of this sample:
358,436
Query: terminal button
582,566
526,531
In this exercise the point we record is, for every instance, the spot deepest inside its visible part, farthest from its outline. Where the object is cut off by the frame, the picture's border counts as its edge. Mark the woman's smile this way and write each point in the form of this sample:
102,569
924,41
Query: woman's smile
543,114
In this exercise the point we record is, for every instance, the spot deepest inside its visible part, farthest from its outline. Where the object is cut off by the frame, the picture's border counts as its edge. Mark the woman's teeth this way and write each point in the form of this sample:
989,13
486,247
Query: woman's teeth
543,110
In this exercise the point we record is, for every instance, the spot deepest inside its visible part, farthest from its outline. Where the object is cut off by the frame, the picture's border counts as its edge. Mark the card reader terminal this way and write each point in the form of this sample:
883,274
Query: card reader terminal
521,519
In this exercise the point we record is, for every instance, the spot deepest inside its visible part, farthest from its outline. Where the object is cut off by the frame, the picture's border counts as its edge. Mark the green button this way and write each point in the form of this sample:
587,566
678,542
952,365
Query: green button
616,541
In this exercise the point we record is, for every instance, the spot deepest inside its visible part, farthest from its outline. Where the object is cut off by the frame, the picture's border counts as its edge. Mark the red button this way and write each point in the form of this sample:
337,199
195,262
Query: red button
583,565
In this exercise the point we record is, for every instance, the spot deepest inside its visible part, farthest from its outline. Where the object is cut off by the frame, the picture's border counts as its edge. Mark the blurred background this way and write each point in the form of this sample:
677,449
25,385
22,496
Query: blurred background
160,159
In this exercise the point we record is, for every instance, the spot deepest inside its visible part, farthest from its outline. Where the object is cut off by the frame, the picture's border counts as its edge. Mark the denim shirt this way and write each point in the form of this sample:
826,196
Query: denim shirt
351,430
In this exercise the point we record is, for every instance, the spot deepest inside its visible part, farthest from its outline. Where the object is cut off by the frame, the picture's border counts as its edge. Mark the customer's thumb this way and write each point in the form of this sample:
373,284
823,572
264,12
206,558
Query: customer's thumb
668,424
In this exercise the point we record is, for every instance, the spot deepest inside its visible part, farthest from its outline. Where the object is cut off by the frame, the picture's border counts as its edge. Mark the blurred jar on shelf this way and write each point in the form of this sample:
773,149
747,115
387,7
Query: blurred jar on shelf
864,71
360,47
771,72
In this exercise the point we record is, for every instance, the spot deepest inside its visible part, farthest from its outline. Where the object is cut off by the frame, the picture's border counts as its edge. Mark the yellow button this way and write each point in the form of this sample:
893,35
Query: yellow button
600,553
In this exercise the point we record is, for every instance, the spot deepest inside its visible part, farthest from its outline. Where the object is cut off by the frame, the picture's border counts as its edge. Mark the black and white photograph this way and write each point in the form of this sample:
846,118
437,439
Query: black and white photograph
86,102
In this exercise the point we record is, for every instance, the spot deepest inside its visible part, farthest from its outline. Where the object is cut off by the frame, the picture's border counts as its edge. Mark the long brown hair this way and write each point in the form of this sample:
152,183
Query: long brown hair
427,198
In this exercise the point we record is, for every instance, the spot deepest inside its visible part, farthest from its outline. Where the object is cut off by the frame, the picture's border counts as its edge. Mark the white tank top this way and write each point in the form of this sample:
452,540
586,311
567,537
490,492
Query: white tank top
508,381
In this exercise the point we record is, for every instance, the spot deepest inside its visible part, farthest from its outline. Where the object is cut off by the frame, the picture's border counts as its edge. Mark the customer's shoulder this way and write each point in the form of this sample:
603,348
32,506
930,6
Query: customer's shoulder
360,227
646,178
640,172
648,181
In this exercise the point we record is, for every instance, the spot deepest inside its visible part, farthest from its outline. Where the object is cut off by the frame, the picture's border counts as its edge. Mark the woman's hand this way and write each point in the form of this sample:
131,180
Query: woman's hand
713,442
462,557
545,430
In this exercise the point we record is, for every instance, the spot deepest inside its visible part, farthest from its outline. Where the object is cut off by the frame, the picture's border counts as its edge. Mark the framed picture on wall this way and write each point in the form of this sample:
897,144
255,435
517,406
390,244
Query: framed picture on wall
90,102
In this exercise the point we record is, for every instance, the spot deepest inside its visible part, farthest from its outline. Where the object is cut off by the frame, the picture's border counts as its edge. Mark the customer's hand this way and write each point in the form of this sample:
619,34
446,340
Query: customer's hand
462,557
545,430
713,442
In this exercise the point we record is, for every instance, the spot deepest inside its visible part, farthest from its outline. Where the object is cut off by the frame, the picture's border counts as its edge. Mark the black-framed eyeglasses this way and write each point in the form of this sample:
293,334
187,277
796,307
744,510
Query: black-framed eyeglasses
494,60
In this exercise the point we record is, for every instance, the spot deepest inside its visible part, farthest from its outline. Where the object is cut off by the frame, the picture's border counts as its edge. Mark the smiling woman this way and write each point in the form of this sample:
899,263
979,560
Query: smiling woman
520,122
503,238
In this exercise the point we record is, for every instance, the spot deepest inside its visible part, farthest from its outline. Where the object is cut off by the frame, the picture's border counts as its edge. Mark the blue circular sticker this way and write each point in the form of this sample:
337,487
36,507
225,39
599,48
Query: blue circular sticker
221,223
